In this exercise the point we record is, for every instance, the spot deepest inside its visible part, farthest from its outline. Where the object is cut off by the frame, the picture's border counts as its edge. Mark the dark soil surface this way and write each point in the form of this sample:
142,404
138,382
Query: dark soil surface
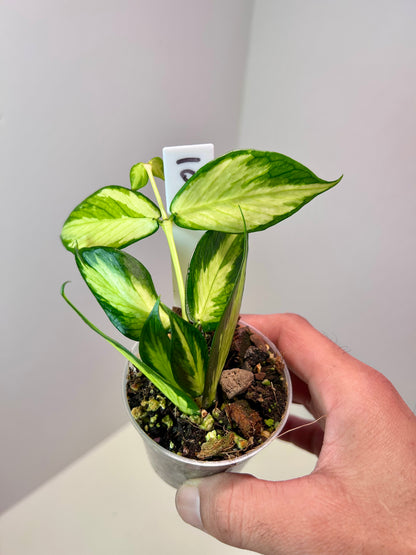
234,425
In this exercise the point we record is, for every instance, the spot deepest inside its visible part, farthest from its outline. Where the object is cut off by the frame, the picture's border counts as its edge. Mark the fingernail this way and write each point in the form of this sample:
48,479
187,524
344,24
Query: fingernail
188,503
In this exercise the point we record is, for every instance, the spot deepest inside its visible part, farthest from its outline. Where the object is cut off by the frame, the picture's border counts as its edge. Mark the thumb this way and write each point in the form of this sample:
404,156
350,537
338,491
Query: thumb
245,512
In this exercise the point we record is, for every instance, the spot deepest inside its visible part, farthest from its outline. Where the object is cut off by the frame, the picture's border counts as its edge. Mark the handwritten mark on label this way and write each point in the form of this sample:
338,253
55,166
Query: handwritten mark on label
180,163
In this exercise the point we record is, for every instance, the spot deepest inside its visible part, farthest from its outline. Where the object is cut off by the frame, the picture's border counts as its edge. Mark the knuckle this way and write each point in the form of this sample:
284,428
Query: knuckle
380,388
293,326
295,319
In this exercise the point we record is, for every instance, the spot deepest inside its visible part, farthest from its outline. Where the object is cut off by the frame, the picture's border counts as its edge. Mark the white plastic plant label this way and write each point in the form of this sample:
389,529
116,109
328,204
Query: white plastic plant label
179,164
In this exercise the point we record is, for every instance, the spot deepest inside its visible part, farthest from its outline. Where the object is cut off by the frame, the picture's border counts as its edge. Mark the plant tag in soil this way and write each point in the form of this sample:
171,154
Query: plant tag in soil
180,163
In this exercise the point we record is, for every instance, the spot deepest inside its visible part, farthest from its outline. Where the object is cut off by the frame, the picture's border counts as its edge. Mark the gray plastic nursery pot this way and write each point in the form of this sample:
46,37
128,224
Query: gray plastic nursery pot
175,469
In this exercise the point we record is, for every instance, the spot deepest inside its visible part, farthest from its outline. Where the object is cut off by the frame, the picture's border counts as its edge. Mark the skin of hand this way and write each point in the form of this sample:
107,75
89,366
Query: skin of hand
361,496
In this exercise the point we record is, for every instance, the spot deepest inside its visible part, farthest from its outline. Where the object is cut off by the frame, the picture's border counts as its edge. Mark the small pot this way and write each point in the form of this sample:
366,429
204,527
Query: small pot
174,469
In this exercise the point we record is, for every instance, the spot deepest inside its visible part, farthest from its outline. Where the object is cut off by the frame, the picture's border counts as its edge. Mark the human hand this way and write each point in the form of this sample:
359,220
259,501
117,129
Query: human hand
361,496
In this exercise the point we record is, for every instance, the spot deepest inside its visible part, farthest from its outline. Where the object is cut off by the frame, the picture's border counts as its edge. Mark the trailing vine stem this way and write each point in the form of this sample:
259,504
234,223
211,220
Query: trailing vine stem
166,224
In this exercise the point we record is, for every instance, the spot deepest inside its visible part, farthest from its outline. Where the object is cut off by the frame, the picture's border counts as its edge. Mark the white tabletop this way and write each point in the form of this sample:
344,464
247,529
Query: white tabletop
110,502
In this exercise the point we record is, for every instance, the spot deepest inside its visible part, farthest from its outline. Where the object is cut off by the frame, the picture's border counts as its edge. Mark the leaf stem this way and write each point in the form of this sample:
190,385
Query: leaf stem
167,225
148,168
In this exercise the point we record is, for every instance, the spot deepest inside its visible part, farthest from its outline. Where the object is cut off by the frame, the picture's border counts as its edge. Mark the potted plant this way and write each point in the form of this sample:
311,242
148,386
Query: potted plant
205,391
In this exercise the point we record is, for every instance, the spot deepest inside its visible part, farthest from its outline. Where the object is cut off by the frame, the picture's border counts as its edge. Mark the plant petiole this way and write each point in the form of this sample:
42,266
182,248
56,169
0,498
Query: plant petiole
148,168
167,225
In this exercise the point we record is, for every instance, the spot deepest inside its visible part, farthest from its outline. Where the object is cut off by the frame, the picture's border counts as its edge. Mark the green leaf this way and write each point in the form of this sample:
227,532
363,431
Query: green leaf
138,176
224,333
212,274
154,346
157,167
111,217
268,187
179,398
122,286
189,355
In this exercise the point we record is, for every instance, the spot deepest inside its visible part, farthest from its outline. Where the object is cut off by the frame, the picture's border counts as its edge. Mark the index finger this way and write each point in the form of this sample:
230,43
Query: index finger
311,356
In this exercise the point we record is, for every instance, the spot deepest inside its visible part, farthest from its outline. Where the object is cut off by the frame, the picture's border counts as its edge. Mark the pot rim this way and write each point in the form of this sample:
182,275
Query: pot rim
223,463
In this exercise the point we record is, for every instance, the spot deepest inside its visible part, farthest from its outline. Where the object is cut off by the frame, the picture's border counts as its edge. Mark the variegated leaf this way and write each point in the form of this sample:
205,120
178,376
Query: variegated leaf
184,402
268,187
111,217
157,167
188,356
138,176
212,274
122,286
154,346
224,333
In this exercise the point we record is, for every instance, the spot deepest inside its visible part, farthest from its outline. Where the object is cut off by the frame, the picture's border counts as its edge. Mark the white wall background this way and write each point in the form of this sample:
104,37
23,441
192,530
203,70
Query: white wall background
333,85
89,88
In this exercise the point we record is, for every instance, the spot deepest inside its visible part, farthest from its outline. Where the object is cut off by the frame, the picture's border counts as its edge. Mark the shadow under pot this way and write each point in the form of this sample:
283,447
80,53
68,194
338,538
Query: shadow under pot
254,397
